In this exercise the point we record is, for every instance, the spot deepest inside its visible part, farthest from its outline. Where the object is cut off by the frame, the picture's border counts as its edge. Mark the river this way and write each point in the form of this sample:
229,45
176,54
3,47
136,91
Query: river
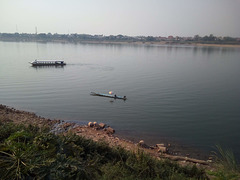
177,94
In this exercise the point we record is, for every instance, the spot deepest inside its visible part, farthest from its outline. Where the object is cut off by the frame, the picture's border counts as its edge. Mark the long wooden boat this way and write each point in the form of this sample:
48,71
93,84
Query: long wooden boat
108,95
48,63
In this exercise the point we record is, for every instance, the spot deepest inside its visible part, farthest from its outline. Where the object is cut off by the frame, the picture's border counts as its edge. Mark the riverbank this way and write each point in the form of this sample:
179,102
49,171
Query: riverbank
30,152
95,131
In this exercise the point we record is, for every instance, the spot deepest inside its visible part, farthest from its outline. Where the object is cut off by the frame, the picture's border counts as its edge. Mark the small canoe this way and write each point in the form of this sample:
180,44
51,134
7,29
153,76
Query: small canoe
108,95
48,63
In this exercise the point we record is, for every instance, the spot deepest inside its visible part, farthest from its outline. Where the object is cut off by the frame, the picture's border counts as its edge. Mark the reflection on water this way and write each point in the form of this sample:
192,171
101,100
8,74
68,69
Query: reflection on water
48,66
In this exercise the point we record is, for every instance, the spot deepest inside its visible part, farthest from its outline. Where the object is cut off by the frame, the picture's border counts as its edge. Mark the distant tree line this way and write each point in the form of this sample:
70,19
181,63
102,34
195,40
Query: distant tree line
212,38
75,38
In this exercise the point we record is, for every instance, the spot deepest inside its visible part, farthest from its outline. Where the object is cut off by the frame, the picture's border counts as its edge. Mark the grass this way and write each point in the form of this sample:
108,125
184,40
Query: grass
226,165
33,153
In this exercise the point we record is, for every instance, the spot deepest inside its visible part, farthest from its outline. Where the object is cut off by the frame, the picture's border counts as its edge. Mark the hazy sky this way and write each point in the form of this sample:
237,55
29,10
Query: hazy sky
127,17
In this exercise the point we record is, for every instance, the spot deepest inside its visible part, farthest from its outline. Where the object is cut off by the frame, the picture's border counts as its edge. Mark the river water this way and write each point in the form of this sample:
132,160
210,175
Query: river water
176,94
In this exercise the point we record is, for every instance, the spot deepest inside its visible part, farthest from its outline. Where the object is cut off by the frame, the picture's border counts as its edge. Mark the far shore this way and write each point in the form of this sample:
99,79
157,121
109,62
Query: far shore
97,132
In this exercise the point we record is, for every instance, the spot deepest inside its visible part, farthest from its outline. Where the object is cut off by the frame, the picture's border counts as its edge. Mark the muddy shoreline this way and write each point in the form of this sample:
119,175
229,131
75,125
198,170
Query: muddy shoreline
176,147
98,132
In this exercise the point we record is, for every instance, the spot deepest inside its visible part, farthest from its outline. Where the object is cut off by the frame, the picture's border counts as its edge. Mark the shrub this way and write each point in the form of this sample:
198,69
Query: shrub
226,165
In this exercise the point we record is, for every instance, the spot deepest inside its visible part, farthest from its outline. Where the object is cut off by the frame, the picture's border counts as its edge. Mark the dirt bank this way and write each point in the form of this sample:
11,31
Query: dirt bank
94,131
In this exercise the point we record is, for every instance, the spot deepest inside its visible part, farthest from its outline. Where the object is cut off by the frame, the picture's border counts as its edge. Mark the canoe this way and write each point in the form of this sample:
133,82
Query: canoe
48,63
108,95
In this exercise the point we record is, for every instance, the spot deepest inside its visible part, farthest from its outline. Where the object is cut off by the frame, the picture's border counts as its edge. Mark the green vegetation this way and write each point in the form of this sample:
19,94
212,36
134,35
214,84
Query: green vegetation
211,39
226,165
33,153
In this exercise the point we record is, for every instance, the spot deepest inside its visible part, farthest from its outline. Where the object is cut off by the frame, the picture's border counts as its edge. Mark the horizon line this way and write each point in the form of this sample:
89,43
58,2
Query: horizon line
112,34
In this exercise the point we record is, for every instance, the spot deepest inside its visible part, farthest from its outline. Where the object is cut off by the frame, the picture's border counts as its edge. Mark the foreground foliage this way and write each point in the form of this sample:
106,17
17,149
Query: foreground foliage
227,167
31,153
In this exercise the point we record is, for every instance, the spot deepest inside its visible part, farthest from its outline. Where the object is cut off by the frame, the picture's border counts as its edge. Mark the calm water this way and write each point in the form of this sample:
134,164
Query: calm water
184,94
